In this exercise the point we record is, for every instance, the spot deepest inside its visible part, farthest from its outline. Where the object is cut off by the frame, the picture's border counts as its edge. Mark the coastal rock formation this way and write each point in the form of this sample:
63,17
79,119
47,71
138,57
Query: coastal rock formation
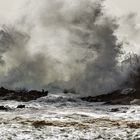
21,95
123,97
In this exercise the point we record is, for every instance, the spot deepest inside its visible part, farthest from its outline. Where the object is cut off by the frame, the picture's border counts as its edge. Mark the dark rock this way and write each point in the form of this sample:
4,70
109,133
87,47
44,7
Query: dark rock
21,106
90,99
69,91
65,91
124,111
133,111
114,109
122,101
123,97
4,108
21,95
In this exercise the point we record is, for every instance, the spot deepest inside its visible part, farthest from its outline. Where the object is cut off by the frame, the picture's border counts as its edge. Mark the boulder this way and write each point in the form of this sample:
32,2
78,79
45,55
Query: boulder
114,110
21,95
21,106
4,108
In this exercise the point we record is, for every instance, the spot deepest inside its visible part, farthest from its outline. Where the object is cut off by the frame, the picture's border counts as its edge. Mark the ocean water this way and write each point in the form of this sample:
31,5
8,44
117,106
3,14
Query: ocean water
66,117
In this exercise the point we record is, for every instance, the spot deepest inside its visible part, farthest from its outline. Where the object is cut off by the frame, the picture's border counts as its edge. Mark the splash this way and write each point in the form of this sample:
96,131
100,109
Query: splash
60,41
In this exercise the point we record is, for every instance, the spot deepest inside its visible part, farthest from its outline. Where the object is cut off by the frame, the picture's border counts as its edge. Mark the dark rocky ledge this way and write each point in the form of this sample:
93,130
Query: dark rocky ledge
122,97
21,95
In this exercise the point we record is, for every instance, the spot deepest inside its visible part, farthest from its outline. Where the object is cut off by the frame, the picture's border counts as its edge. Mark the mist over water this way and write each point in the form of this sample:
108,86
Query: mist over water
72,43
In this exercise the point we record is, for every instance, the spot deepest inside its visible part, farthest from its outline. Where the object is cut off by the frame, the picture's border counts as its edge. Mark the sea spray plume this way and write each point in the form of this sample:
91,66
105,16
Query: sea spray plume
132,62
129,32
48,36
101,74
22,69
71,42
10,44
5,41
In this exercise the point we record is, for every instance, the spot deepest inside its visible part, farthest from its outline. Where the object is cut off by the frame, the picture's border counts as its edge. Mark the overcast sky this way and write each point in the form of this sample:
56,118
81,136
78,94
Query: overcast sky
116,6
123,6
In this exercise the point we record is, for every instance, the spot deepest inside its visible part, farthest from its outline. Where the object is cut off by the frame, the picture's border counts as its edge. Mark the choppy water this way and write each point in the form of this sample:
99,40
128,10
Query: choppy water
66,117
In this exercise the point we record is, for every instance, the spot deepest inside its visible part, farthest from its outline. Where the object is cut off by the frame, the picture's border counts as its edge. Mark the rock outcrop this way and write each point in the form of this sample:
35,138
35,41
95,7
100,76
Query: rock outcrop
123,97
21,95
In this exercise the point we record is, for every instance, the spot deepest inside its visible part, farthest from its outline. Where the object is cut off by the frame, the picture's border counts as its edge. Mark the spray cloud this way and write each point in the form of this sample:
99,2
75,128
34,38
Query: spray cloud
71,42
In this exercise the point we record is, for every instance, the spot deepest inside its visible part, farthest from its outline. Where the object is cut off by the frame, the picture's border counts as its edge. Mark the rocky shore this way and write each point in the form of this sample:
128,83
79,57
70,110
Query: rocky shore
21,95
121,97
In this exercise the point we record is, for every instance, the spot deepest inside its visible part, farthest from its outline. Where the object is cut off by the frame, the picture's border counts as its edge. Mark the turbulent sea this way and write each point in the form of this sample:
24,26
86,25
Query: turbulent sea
66,117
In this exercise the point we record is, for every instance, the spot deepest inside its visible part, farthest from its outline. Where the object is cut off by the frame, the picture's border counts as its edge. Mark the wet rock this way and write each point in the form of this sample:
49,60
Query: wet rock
119,109
114,110
133,111
123,97
21,95
4,108
21,106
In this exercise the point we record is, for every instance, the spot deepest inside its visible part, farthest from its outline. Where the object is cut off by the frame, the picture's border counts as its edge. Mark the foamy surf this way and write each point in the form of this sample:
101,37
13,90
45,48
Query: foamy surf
48,118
